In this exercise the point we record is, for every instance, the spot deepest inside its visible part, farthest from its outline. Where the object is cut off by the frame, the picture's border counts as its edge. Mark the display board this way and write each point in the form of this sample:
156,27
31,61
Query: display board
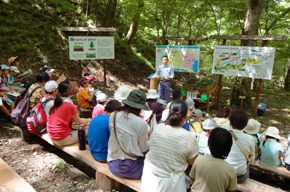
183,58
243,61
91,47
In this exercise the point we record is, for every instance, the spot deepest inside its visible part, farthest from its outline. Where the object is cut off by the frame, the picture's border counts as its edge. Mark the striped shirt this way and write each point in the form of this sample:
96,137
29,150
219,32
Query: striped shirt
171,147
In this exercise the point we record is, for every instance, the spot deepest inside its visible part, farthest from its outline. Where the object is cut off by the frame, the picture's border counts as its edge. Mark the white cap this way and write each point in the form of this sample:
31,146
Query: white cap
189,101
273,132
122,92
50,86
101,97
14,69
209,124
253,126
152,94
197,112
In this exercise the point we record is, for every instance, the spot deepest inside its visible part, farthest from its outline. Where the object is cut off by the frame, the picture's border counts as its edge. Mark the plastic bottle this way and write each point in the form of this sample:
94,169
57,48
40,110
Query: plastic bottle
82,138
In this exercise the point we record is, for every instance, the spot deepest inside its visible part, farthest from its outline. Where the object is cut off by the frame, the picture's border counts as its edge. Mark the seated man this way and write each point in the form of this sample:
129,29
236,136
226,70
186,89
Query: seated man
213,173
84,99
99,132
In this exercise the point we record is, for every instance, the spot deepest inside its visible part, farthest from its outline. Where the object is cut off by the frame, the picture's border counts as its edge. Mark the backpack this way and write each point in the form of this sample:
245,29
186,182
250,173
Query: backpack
21,111
36,121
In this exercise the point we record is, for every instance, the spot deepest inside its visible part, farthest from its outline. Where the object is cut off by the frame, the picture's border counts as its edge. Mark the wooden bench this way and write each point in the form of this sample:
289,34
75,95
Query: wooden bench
11,181
107,181
280,171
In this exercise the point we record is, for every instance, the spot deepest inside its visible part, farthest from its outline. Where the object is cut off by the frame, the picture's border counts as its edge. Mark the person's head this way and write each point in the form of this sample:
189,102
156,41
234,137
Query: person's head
176,95
42,77
5,69
14,61
209,124
113,105
14,70
152,95
101,98
238,119
50,88
273,133
197,114
135,102
84,82
220,142
157,108
48,69
177,113
253,127
190,104
165,59
224,112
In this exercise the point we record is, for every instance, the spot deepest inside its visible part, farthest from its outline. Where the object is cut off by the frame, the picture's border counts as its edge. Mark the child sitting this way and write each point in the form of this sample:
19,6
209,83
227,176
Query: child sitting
253,128
84,99
102,100
213,173
195,124
271,149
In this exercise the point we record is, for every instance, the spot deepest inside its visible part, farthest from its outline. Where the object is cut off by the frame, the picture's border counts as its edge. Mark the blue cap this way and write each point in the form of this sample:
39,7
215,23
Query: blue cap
4,67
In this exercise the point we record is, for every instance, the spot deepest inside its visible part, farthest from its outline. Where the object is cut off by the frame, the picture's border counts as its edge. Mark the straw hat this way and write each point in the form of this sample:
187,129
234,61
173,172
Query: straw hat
136,99
11,60
273,132
122,92
209,124
152,94
253,127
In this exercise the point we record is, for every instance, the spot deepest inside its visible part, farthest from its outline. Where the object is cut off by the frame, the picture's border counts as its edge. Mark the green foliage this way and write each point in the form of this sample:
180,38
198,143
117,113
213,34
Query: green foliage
60,165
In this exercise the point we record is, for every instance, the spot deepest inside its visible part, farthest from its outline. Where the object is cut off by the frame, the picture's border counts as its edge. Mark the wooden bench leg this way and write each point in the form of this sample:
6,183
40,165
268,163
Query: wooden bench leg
103,182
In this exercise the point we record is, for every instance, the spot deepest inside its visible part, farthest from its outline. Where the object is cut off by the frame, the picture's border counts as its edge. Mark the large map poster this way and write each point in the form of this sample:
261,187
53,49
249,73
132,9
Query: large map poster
91,47
242,61
183,58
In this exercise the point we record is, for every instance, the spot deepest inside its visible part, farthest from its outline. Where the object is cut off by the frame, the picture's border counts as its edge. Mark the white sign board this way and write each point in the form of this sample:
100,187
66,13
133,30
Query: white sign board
91,47
183,58
242,61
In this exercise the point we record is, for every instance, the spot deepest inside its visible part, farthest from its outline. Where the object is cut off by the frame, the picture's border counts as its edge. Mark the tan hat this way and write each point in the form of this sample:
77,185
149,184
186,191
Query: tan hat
122,92
253,126
273,132
11,60
152,94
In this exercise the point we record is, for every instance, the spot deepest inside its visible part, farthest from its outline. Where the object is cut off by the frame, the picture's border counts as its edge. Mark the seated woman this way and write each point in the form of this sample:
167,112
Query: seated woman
253,128
271,149
84,98
172,149
213,173
99,132
238,158
128,138
50,89
61,116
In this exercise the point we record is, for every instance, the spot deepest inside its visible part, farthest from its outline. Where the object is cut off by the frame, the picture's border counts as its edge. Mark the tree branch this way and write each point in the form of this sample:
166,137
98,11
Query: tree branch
268,29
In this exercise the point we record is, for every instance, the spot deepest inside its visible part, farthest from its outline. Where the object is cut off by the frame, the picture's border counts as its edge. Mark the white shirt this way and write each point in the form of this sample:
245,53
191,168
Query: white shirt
132,133
236,158
202,140
287,154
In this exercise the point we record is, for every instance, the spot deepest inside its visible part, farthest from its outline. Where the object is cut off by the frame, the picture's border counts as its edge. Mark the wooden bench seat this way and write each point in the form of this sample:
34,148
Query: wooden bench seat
106,180
280,171
11,181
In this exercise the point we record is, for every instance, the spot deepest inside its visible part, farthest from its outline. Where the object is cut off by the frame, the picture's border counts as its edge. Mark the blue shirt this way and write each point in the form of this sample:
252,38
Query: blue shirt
165,71
98,137
270,153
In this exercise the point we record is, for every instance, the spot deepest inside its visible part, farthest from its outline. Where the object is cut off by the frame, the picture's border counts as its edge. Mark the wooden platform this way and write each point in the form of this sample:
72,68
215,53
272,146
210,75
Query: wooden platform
280,171
106,180
10,181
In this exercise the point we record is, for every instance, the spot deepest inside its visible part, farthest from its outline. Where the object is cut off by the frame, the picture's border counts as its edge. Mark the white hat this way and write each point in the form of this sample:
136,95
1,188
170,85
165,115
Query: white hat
253,126
152,94
189,101
5,67
14,69
101,97
209,124
50,86
197,112
122,92
273,132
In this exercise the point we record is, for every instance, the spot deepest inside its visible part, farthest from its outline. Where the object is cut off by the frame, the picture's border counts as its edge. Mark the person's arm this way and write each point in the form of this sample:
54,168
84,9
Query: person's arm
79,120
192,150
171,76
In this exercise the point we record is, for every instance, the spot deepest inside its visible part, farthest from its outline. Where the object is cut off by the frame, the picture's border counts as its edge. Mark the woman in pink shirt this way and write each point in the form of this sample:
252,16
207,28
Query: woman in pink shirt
61,116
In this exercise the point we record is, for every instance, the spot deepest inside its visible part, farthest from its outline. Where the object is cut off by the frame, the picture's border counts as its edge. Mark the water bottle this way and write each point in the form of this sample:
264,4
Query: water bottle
82,138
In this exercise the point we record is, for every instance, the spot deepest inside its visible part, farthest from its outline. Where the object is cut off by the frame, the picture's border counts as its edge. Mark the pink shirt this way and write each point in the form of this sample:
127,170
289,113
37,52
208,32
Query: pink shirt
59,123
98,110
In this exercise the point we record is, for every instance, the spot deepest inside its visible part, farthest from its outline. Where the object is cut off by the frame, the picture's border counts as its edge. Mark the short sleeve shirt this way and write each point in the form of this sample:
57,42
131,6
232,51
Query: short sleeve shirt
35,97
171,147
270,153
83,98
59,123
211,174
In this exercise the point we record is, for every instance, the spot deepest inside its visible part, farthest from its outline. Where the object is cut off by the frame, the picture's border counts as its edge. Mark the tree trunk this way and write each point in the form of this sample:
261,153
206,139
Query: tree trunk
110,13
287,80
134,25
251,26
178,27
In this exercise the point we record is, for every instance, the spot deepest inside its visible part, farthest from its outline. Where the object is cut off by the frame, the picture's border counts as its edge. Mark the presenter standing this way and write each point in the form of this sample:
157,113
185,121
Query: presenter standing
165,75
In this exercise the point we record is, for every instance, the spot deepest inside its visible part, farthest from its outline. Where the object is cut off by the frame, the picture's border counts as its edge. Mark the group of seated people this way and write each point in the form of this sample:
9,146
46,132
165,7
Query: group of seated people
167,146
